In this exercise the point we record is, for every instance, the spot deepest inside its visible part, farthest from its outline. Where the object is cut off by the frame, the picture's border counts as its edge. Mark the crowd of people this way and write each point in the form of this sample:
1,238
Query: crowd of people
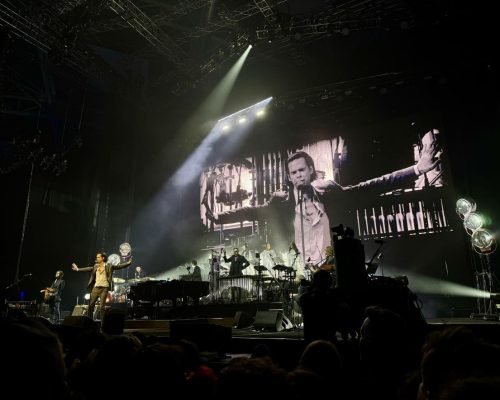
388,360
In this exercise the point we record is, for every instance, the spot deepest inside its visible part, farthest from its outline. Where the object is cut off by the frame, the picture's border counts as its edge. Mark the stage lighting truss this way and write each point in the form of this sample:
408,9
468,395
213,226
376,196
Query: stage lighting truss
483,243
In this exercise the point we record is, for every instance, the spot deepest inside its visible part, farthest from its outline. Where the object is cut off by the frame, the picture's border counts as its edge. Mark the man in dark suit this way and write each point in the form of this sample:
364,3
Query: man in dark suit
238,264
55,297
100,281
196,274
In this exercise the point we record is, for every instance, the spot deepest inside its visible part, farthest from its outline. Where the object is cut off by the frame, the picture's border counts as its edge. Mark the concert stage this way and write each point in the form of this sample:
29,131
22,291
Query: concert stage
220,339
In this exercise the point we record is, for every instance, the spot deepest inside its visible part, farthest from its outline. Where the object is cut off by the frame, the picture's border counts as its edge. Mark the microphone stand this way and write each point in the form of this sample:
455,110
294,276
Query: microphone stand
214,277
259,281
378,254
17,282
301,204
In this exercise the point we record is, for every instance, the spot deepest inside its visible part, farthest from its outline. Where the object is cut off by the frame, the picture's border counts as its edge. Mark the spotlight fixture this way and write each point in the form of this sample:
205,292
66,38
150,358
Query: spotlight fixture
483,243
495,296
242,120
473,222
465,206
483,240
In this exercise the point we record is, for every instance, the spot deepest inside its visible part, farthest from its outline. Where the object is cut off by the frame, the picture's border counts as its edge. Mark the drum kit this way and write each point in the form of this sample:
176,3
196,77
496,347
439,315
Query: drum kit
267,284
121,285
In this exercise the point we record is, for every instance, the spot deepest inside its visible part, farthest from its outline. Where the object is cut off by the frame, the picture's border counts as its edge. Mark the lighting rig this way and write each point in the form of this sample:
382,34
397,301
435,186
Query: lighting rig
484,244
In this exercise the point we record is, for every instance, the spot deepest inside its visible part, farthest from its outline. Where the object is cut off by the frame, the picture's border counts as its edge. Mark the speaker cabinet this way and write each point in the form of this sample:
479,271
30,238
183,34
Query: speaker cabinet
269,320
79,310
44,311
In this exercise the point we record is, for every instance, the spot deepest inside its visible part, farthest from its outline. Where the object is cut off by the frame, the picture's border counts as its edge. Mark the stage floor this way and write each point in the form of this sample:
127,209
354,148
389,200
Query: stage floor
220,341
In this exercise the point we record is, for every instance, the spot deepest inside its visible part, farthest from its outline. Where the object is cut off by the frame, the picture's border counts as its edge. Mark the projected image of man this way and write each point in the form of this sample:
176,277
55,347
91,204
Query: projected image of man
309,199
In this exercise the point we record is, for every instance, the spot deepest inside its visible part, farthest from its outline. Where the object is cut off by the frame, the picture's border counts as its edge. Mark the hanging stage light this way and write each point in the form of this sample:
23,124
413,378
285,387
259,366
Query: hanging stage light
483,240
473,222
465,206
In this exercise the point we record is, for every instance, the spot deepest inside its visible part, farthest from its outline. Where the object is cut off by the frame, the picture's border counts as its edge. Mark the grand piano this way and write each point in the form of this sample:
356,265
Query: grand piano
156,291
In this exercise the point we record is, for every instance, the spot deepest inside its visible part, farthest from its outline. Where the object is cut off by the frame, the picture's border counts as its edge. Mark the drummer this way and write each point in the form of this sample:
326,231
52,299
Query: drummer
139,272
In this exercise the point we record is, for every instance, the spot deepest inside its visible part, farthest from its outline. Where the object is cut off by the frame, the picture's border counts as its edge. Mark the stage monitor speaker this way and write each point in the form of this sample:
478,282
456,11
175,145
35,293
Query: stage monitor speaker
271,320
242,320
79,310
44,311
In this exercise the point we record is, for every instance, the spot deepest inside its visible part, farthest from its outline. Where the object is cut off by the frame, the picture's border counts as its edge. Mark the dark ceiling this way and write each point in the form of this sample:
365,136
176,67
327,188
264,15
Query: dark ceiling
175,46
61,58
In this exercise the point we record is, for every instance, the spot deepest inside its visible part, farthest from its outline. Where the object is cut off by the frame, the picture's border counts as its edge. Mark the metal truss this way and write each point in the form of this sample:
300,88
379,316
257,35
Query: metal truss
181,8
19,105
226,19
485,277
266,11
148,29
47,40
222,54
349,16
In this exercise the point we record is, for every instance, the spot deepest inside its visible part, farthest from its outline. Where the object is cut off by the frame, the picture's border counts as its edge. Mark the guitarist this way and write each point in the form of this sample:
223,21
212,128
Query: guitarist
53,297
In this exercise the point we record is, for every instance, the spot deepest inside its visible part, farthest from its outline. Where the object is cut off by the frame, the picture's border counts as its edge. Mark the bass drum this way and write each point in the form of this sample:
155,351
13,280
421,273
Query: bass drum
273,294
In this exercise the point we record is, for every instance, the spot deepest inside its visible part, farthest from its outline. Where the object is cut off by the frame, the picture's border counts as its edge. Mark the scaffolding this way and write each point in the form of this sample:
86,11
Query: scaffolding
485,282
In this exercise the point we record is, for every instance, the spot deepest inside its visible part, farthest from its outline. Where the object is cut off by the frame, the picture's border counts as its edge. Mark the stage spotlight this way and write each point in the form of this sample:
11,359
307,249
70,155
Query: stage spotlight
465,206
482,239
260,113
473,221
87,296
226,128
242,120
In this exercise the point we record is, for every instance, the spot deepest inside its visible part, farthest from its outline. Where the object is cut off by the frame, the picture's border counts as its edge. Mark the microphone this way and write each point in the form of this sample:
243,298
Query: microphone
379,241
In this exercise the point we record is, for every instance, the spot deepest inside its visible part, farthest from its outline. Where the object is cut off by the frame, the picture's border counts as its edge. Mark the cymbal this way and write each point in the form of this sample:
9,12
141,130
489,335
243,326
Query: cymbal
118,280
137,280
260,268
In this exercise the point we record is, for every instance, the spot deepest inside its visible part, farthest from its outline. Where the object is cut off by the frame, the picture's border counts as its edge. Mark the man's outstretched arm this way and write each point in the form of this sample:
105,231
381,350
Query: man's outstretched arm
428,161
